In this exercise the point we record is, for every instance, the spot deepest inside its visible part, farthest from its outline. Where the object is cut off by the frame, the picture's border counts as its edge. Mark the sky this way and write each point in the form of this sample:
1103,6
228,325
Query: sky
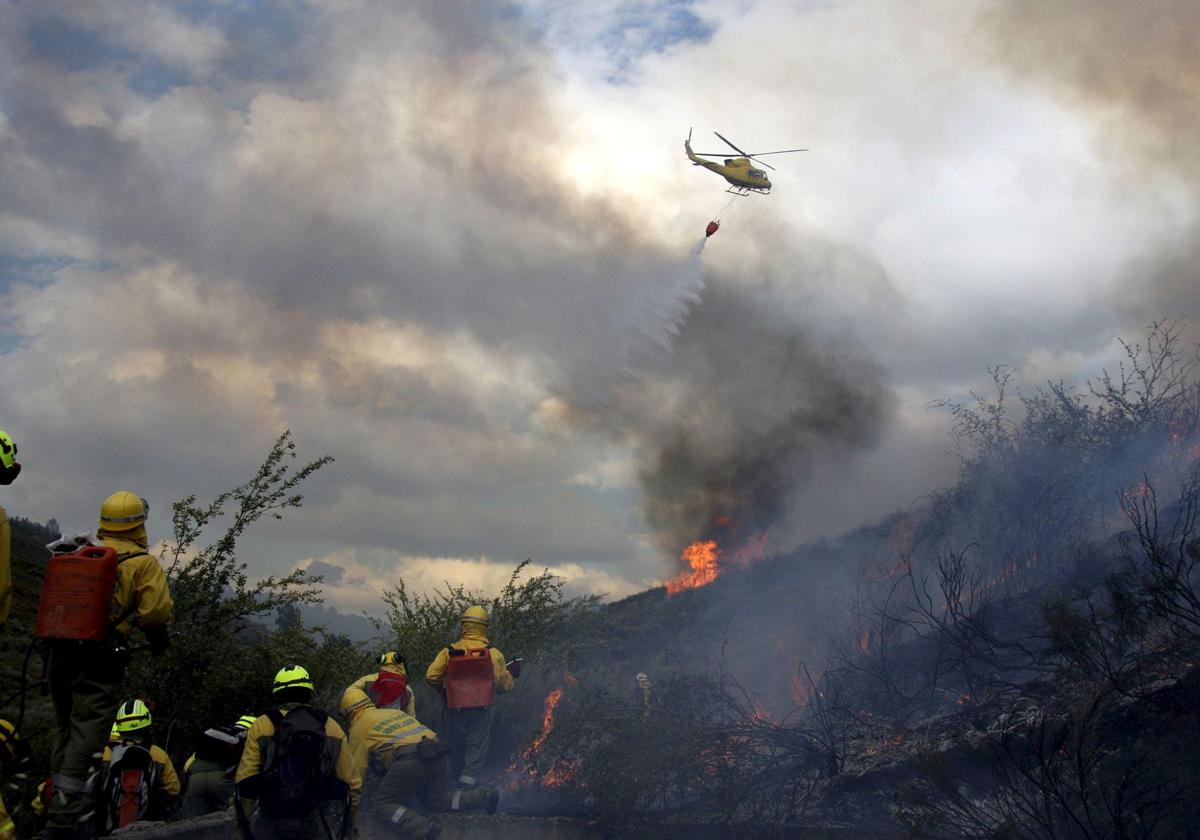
457,247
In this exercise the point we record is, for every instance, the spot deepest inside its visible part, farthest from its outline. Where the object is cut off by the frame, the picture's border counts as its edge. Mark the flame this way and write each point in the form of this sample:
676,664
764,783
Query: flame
547,722
702,557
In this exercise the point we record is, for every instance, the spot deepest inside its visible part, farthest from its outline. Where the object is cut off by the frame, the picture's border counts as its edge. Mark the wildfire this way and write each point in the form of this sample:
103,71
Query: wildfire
547,722
702,557
559,772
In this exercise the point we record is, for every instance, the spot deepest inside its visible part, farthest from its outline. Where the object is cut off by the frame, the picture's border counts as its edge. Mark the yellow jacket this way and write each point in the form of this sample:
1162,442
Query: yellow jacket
261,732
5,574
8,831
378,733
168,780
140,580
474,636
410,700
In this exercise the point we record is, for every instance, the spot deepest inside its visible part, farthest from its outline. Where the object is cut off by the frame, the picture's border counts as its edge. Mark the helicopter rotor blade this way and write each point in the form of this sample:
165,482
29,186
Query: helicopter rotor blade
735,148
781,152
762,163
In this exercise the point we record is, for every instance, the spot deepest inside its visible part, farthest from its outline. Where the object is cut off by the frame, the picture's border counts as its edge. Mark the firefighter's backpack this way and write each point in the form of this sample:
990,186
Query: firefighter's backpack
470,678
222,745
299,766
132,777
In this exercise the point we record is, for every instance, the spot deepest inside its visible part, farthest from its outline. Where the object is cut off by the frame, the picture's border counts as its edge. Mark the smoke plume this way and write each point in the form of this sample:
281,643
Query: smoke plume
726,427
1132,67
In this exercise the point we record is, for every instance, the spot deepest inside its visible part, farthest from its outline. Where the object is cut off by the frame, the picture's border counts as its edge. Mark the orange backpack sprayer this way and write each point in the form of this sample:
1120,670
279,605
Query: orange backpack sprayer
77,595
470,680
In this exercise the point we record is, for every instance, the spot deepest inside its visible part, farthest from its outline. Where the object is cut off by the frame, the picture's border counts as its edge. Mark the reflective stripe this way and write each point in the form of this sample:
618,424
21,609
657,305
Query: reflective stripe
399,813
407,734
456,801
467,780
70,784
137,517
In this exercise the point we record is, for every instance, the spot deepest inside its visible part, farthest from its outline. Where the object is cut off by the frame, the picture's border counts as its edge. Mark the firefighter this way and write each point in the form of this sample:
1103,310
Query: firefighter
140,780
85,677
9,469
279,745
468,721
412,762
644,693
388,687
15,757
208,772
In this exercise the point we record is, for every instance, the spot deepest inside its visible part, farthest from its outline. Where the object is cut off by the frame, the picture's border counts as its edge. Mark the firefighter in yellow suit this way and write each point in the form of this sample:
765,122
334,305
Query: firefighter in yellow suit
469,729
393,663
14,755
85,677
133,728
292,691
412,762
9,469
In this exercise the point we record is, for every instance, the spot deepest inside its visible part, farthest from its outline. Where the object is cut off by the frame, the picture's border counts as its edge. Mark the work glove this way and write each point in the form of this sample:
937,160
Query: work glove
159,639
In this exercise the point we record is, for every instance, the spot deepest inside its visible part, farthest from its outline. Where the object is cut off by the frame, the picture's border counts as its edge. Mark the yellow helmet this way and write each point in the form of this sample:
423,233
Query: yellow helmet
8,450
132,716
292,676
245,722
123,511
355,700
477,614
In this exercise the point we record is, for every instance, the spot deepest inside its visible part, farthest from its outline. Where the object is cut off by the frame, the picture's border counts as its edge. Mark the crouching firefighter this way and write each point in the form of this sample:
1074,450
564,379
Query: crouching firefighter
412,762
92,598
209,771
389,687
295,765
467,675
140,782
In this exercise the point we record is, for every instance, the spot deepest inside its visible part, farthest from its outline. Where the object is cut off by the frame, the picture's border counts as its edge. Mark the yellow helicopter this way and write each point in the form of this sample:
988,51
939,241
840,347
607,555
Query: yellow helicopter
743,178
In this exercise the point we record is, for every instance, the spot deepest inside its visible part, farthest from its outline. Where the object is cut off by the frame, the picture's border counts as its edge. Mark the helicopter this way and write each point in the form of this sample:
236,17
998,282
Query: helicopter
743,178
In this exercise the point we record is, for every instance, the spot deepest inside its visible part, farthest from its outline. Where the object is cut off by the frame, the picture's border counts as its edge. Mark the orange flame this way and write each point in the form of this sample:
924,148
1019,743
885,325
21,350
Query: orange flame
702,557
547,722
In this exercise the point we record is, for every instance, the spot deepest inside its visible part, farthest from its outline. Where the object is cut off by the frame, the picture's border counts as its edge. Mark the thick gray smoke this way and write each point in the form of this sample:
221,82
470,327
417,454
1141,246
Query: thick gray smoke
727,426
1134,66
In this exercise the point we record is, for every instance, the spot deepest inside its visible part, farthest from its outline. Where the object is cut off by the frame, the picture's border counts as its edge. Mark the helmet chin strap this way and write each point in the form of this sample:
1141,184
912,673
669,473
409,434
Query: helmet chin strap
9,474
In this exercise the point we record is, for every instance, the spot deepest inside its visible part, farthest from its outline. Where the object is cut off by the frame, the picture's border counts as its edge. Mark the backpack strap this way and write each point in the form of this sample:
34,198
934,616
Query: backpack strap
128,612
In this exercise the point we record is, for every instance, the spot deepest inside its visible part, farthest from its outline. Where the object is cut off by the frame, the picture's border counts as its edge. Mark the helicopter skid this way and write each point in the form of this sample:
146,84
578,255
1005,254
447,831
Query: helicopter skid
746,191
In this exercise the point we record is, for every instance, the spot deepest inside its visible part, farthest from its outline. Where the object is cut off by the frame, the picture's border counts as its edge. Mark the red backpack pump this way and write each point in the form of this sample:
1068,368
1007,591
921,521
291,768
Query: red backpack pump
77,595
470,679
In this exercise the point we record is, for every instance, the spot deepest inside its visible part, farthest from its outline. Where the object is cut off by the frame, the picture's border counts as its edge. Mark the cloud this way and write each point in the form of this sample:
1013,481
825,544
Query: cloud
456,247
356,579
